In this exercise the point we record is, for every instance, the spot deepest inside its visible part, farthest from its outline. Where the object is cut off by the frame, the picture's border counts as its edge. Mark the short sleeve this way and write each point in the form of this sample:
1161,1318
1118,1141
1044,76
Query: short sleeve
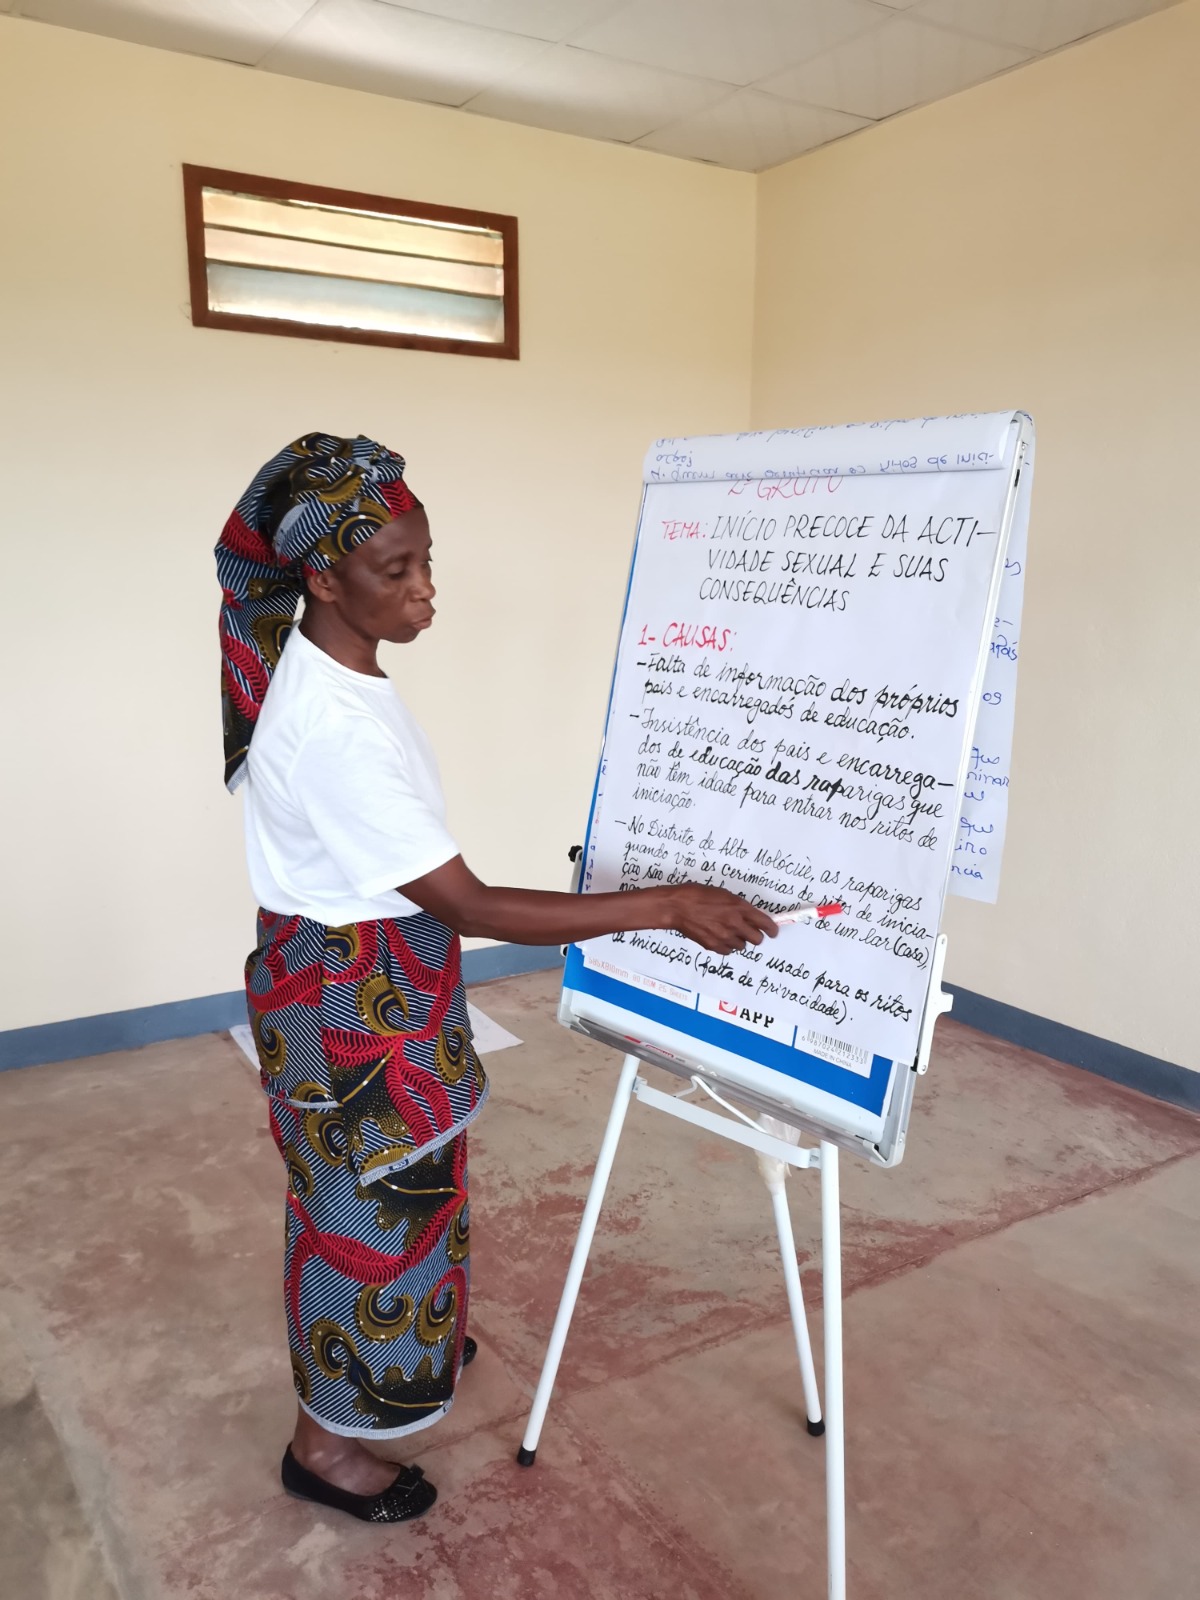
366,806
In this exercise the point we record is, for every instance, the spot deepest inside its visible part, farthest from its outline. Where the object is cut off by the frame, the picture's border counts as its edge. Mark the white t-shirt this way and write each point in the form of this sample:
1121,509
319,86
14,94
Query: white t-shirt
343,798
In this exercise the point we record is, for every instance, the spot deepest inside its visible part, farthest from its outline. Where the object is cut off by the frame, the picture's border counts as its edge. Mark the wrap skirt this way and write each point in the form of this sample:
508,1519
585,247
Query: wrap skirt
366,1057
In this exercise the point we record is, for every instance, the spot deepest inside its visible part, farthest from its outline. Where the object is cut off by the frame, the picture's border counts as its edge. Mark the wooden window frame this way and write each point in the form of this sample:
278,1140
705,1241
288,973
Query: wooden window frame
197,179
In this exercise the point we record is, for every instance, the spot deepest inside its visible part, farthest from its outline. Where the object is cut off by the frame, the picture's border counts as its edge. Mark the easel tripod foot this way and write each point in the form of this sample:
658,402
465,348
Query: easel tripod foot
526,1458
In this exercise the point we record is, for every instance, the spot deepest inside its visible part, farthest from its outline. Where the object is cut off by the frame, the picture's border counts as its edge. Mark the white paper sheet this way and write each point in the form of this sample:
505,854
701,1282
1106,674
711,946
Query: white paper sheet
975,869
489,1035
244,1040
797,663
913,445
970,443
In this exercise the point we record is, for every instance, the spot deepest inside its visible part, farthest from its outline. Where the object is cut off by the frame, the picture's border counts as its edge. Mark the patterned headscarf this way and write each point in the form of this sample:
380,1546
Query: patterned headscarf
313,503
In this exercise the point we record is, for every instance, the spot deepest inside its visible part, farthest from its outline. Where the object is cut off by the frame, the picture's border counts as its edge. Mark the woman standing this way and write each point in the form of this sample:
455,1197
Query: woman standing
355,986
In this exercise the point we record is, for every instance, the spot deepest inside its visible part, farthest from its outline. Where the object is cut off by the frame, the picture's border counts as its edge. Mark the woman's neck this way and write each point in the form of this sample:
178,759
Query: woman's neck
324,627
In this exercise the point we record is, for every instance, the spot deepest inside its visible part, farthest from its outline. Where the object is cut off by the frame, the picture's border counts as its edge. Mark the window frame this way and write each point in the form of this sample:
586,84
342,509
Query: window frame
197,179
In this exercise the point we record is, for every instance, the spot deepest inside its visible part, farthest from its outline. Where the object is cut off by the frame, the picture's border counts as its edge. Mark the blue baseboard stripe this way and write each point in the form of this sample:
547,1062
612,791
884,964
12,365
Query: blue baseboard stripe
120,1030
181,1019
1117,1062
211,1013
507,960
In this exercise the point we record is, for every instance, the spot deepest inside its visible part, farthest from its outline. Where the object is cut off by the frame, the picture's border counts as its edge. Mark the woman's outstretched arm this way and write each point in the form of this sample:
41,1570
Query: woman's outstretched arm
714,918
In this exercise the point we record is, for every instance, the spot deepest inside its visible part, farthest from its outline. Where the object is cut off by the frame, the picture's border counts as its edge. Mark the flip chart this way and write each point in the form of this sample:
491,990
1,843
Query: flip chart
814,618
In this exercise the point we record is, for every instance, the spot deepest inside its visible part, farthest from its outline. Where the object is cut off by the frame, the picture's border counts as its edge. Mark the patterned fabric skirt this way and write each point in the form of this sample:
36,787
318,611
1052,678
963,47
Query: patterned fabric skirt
365,1048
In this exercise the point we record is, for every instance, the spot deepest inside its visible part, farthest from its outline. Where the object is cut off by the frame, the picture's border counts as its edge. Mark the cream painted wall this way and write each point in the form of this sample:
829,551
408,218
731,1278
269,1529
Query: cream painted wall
1035,242
128,435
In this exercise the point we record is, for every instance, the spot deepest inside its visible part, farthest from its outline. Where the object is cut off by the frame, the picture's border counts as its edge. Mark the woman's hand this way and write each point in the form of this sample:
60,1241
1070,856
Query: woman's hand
717,919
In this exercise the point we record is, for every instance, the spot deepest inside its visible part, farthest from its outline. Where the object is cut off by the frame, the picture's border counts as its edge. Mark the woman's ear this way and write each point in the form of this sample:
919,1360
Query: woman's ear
320,585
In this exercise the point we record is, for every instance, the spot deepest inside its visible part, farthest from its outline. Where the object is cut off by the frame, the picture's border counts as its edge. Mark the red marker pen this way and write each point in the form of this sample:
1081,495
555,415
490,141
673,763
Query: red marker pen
828,908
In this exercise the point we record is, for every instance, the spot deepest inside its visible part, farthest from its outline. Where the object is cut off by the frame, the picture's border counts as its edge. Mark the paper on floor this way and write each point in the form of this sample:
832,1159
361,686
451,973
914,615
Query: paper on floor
244,1040
489,1036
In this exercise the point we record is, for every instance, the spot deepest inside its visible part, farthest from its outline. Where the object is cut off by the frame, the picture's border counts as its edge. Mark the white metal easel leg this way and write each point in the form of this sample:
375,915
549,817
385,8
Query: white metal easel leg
795,1294
835,1443
583,1244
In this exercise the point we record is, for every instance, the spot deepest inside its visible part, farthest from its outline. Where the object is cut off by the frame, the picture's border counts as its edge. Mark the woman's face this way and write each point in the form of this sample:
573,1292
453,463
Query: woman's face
384,588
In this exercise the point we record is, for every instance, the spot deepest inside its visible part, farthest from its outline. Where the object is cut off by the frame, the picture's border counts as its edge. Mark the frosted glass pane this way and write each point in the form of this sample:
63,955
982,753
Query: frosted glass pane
295,255
353,303
295,219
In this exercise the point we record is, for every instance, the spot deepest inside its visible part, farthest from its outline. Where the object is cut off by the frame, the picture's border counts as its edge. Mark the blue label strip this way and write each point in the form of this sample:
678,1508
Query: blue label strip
867,1093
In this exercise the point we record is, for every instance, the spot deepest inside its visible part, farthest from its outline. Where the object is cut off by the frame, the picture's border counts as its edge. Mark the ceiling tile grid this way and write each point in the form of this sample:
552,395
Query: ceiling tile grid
750,131
903,63
552,20
745,84
729,41
234,30
576,91
1036,25
386,49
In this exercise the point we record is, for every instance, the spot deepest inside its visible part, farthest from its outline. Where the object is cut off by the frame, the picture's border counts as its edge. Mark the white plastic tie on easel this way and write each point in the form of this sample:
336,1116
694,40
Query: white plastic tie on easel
707,1088
774,1172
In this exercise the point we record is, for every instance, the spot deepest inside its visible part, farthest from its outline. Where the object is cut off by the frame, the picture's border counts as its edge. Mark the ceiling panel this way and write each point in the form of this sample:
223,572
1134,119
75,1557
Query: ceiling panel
744,83
899,65
733,41
1034,24
538,19
362,44
750,131
574,91
234,30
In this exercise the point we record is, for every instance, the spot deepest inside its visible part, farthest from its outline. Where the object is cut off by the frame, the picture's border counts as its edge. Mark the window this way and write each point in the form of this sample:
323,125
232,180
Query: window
273,257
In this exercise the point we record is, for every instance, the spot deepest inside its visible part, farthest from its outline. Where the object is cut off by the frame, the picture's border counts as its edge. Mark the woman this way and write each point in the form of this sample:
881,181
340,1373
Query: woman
355,987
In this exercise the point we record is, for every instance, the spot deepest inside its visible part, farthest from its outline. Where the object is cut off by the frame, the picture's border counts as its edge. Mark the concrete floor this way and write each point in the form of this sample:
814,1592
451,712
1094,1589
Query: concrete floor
1023,1372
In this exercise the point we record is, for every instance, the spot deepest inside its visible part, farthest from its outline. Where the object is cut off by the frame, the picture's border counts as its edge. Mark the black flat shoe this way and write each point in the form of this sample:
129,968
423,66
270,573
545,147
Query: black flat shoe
470,1351
408,1496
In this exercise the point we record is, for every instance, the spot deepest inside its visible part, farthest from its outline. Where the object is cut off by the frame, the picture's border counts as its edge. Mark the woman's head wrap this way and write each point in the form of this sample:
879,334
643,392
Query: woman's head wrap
313,503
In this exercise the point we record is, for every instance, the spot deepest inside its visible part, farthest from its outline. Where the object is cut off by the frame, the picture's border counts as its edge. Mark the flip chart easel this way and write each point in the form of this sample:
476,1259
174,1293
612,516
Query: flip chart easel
756,1065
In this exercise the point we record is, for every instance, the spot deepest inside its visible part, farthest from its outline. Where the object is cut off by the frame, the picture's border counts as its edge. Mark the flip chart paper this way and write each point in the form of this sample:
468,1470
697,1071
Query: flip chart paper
975,868
800,656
